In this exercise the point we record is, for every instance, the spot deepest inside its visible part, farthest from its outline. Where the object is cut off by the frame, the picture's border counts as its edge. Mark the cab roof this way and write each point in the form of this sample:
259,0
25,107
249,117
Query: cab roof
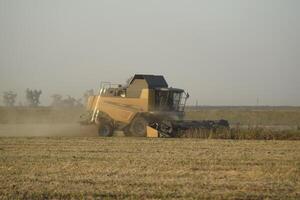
153,81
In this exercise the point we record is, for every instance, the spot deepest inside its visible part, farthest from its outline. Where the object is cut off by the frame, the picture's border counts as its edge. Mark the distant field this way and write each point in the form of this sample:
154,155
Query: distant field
139,168
284,116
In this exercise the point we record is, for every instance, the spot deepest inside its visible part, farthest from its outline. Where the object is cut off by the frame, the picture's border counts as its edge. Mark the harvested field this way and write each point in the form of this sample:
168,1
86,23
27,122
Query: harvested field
135,168
40,158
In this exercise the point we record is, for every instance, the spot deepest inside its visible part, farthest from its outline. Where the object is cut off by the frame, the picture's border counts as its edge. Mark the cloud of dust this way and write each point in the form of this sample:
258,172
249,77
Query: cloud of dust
43,122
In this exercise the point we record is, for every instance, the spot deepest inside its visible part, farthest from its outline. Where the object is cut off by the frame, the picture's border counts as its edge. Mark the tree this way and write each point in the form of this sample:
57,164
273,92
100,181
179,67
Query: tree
33,97
69,102
59,101
9,98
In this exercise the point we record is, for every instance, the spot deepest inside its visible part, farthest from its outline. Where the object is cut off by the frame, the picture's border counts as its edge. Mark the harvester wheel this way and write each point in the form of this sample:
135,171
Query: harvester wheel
105,129
138,127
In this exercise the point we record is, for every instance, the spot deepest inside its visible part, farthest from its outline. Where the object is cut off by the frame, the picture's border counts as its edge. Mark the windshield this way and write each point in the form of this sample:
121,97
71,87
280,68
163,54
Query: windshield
169,100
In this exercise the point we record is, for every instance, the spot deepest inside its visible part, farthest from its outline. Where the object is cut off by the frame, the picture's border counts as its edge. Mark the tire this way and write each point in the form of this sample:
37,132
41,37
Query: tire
127,132
138,127
105,129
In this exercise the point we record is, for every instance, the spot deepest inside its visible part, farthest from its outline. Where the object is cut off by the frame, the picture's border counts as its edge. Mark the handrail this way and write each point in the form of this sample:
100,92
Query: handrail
101,90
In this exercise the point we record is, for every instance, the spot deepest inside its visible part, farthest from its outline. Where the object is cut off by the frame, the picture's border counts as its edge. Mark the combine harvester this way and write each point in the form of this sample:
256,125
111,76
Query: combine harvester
146,107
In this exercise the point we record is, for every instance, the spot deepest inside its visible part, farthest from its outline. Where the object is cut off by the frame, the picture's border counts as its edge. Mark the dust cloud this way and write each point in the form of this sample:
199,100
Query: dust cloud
43,122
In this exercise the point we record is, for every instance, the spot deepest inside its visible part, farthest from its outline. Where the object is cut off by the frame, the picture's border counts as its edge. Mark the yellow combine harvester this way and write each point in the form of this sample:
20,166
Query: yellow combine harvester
146,107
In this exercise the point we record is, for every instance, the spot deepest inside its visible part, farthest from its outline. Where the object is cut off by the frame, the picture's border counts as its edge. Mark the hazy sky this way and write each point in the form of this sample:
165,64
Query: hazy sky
222,52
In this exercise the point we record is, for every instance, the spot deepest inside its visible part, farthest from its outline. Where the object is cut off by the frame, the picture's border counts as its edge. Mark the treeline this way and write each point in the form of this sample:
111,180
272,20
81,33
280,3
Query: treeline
33,96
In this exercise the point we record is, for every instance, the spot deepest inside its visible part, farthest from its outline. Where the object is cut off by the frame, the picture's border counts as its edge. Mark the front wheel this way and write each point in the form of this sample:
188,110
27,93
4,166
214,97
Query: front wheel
138,127
105,129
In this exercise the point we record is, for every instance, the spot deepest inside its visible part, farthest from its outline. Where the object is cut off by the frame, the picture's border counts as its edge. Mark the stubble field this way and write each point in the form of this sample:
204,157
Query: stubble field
138,168
45,154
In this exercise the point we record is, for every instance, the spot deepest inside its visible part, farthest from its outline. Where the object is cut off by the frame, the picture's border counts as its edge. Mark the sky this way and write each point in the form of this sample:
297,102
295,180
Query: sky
229,52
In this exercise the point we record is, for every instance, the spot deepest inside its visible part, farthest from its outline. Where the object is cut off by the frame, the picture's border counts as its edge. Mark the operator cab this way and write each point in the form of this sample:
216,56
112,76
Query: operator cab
164,98
170,99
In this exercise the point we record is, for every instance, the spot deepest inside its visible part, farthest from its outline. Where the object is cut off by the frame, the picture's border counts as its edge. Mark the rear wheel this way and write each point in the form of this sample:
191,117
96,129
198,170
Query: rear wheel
105,129
138,127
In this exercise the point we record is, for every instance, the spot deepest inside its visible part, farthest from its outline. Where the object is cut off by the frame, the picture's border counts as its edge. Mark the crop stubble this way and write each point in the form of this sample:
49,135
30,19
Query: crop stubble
120,167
